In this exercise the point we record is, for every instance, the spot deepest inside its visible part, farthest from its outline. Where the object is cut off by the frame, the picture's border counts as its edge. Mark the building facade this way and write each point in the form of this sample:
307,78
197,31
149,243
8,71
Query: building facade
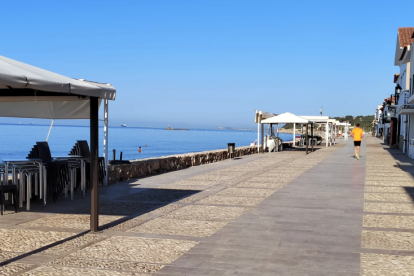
404,98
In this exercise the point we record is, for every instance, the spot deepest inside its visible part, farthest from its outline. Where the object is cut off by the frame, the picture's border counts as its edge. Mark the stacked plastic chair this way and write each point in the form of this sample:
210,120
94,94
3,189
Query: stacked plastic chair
81,148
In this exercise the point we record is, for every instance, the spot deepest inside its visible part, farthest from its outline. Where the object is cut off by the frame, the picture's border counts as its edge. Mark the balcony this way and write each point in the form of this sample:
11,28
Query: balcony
405,109
411,99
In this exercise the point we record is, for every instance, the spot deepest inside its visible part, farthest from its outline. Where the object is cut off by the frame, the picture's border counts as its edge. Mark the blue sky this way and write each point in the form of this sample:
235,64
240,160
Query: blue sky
207,63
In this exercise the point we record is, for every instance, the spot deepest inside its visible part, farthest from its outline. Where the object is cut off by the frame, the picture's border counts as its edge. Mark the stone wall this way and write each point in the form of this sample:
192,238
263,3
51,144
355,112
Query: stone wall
151,166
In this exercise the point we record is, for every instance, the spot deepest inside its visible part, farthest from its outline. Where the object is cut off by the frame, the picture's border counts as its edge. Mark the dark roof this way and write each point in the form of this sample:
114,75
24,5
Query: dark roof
406,35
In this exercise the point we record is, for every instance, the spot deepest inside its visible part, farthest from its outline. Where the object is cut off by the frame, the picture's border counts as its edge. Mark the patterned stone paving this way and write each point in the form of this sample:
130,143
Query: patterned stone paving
18,240
231,200
380,264
62,271
206,213
136,249
69,221
388,221
196,207
193,228
12,268
388,191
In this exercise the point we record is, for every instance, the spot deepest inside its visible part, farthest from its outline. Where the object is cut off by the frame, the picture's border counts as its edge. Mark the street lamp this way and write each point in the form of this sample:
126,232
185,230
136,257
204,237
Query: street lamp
321,110
397,93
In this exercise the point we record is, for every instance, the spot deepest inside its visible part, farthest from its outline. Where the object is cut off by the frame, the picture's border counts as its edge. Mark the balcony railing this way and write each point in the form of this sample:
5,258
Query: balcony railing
405,108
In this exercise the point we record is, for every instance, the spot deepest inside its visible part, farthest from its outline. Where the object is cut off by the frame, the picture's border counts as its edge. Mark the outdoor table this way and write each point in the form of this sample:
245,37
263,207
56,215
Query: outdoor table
22,163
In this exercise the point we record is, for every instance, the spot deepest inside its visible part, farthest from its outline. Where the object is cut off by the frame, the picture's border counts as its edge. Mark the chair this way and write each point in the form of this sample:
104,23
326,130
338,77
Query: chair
57,172
9,188
81,148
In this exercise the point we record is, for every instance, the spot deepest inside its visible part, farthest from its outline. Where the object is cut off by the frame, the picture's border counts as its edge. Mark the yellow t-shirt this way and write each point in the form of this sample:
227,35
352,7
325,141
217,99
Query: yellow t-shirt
357,133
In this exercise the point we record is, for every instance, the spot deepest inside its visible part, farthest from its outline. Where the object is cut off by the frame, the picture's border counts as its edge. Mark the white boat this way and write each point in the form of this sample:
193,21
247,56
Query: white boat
124,125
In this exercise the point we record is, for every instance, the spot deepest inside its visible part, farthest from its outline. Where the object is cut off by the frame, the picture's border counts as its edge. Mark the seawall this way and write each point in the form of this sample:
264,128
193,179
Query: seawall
151,166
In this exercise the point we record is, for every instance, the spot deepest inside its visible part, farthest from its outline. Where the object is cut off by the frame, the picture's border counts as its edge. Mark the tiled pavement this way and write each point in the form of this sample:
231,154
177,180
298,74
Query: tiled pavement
270,214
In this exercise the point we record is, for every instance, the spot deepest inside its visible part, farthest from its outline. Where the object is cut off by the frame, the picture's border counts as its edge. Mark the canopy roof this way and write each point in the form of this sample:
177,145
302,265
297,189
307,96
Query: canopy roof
286,118
31,92
320,119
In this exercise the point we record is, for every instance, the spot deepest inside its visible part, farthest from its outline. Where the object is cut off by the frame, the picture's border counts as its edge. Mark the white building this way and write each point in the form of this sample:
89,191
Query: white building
377,123
403,91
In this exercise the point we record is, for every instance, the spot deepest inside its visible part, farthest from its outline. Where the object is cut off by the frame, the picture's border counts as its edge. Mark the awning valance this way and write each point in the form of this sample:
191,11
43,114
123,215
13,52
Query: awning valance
286,118
31,92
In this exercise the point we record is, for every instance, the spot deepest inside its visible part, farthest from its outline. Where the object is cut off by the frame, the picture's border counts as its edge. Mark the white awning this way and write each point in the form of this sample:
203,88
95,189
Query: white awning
31,92
286,118
320,119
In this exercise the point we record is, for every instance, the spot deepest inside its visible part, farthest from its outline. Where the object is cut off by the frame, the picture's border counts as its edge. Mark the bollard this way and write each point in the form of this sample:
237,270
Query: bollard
113,154
120,156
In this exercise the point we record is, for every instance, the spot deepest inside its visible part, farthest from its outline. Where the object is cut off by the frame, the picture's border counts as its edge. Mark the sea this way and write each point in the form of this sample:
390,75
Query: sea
17,140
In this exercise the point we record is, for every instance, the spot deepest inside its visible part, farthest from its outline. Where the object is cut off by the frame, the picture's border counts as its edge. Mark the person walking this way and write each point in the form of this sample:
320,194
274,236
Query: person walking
357,133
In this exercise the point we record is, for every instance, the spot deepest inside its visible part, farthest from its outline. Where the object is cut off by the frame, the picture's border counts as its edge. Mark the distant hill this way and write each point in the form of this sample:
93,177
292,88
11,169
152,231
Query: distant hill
364,121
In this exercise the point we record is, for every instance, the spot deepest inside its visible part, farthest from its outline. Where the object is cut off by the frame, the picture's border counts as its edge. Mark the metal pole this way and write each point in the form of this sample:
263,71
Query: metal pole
294,135
50,129
326,134
94,136
312,135
307,139
105,153
262,137
258,134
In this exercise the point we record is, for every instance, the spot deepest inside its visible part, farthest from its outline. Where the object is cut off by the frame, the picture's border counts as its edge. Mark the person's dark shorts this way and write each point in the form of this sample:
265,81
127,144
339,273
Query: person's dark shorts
357,143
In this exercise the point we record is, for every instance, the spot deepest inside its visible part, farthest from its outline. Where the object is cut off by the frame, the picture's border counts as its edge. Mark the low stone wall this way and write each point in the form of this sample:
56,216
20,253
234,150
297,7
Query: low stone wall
151,166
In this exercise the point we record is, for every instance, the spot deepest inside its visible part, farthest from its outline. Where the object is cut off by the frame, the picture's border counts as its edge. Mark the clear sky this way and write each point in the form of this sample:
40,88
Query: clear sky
208,63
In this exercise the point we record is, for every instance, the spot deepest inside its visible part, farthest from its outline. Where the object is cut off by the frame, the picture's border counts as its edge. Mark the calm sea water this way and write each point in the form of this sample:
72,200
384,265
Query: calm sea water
17,140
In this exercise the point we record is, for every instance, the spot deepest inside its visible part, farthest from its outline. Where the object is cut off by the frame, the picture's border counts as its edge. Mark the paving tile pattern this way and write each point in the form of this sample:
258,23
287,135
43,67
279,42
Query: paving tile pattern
237,212
135,249
62,271
106,264
193,228
381,264
18,240
69,221
12,268
388,221
389,187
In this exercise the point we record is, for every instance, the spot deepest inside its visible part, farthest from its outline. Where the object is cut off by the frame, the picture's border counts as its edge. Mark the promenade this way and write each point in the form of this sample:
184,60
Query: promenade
283,213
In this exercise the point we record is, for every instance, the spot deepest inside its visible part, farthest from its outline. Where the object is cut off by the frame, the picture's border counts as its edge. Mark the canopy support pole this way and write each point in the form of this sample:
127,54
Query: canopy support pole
262,137
105,153
307,139
50,129
258,134
326,133
94,135
294,135
312,135
346,132
330,135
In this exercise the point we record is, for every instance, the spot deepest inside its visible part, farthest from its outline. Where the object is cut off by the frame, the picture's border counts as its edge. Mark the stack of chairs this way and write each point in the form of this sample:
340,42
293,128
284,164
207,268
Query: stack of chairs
57,172
81,148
